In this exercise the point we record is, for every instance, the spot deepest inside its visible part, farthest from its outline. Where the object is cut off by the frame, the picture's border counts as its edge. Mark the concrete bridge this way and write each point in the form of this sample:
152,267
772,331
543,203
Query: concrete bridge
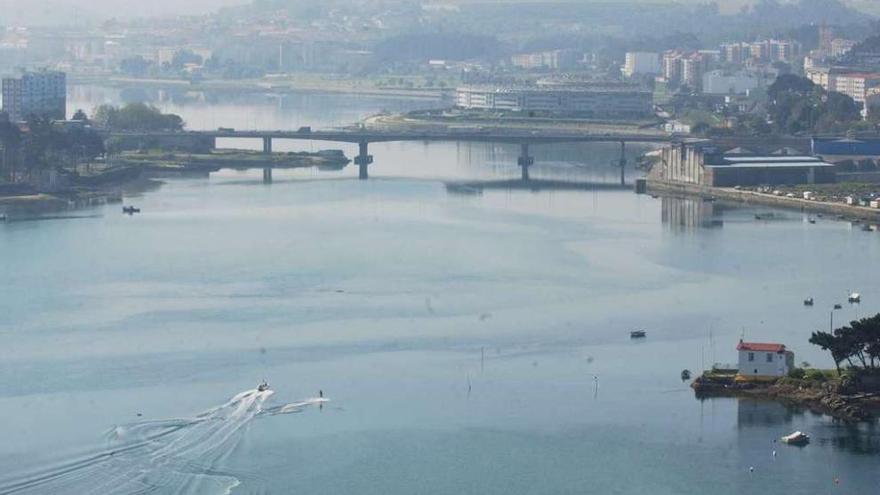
363,137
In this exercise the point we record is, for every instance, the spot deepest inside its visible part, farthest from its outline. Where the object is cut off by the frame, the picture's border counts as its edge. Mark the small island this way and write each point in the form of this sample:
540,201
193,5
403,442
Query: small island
850,392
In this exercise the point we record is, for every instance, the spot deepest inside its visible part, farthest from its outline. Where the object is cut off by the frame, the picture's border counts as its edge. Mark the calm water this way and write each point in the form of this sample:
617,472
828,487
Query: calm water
467,343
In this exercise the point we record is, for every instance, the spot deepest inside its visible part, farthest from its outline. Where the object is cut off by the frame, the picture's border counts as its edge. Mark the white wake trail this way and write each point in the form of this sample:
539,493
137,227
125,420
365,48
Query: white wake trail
166,456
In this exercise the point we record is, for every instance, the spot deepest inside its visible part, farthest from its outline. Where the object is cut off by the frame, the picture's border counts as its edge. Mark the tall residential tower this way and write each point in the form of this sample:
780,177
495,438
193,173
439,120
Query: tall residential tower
41,93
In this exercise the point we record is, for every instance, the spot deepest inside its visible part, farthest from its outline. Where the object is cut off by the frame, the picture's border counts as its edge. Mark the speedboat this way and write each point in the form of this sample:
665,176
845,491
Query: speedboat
637,334
855,297
796,438
263,387
808,301
130,210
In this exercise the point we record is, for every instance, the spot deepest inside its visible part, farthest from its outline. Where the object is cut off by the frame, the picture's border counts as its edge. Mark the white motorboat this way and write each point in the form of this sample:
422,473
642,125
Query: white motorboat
796,438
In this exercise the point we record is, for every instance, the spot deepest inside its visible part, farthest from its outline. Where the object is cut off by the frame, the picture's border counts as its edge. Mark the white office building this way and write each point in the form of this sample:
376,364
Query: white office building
591,102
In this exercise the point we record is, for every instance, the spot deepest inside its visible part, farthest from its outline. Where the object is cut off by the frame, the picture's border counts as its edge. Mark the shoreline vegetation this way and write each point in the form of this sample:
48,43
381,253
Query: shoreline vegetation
134,172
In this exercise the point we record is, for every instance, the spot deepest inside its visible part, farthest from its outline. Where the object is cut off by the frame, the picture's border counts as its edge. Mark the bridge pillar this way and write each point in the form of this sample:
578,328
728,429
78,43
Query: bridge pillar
363,160
623,163
267,175
525,161
267,144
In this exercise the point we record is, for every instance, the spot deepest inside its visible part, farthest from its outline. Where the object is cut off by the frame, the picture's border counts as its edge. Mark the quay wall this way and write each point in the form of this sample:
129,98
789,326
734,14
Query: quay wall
751,197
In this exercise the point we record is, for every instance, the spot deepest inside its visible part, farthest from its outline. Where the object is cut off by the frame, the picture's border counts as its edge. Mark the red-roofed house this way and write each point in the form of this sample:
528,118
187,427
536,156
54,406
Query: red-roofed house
758,360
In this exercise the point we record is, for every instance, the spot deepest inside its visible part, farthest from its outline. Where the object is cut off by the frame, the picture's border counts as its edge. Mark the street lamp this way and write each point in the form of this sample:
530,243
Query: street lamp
831,325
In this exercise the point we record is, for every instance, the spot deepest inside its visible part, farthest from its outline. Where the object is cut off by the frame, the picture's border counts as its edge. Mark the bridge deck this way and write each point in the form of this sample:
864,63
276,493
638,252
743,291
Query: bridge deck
382,136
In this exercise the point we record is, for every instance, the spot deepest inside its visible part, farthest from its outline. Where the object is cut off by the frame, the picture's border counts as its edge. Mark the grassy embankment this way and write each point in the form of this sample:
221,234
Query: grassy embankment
434,120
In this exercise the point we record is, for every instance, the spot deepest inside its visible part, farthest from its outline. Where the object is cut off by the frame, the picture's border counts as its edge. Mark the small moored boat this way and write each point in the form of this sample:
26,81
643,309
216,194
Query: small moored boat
637,334
130,210
855,297
838,306
685,375
808,301
796,438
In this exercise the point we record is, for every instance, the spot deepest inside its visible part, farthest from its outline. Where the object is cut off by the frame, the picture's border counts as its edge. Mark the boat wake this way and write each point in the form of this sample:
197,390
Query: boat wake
164,456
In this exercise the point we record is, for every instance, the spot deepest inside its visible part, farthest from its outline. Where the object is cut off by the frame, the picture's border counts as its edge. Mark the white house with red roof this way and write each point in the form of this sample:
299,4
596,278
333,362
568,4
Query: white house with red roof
759,360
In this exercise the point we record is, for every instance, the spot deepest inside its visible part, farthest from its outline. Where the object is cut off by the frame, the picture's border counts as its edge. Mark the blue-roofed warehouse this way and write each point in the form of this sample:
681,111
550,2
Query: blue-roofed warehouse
705,164
836,148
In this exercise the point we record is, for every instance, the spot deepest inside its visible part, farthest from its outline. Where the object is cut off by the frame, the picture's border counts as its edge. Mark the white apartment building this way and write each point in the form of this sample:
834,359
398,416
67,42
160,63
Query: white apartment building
41,93
856,85
641,63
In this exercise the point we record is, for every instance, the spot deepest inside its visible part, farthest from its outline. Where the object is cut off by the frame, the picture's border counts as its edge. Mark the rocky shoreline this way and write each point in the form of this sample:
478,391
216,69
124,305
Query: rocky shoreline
833,398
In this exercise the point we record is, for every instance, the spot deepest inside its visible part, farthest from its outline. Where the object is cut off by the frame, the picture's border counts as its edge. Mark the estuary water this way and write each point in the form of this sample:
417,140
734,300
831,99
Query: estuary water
463,343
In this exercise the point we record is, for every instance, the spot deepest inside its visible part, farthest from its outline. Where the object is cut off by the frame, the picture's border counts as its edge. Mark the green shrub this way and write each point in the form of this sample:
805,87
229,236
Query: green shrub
797,373
815,375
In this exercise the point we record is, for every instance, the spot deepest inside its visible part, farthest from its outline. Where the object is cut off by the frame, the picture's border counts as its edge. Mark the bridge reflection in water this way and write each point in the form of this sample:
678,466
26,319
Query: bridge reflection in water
534,185
686,214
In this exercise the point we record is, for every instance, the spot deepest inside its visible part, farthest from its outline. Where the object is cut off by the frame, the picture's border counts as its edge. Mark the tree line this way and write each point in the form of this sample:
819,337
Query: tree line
41,144
136,117
857,345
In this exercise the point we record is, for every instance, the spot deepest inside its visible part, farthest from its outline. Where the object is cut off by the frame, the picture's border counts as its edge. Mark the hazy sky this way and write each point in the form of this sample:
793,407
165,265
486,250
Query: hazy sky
65,11
15,11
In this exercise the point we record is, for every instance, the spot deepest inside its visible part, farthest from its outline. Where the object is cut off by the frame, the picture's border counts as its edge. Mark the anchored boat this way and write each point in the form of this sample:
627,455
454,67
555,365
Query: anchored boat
796,438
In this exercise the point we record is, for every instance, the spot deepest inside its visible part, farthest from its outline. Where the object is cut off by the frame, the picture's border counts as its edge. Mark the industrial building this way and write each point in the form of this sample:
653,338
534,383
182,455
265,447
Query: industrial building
701,163
583,101
42,93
